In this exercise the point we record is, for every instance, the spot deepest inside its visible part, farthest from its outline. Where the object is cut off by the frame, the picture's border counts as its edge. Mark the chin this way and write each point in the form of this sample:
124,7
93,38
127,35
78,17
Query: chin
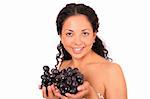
77,56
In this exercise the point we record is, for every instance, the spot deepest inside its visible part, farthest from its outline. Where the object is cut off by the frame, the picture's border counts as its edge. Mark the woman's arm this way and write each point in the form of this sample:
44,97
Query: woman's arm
115,83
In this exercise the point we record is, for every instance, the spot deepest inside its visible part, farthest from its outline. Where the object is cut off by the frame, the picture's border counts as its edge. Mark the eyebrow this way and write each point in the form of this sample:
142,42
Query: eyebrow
72,30
68,30
85,29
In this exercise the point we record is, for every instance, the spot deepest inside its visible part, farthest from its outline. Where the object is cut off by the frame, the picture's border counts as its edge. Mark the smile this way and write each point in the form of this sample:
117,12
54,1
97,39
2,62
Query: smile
77,50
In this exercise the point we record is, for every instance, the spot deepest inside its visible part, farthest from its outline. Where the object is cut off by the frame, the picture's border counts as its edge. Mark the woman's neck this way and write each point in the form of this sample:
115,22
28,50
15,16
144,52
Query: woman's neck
83,60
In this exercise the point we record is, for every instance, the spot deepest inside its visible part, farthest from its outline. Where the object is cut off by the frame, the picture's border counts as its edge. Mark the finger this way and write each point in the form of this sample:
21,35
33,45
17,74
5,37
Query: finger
64,97
83,91
61,96
81,88
84,86
79,95
50,93
40,86
56,91
44,92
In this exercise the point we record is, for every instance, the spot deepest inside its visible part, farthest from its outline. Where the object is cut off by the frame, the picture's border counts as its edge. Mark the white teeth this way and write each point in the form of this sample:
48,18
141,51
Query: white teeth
77,49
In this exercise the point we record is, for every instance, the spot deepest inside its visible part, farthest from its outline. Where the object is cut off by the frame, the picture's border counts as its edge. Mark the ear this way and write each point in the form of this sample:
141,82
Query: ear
60,36
94,36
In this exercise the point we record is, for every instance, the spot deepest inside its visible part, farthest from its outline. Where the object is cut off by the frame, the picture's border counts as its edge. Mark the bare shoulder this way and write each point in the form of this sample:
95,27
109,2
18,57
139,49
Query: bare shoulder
107,71
105,76
115,82
106,67
113,70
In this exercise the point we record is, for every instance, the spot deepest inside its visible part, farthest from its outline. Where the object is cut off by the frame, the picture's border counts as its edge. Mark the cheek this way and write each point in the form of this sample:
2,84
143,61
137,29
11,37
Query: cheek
67,42
88,42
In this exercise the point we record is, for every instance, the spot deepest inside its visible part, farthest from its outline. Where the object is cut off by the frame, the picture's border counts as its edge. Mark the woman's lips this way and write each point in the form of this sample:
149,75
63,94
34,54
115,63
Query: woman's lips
77,50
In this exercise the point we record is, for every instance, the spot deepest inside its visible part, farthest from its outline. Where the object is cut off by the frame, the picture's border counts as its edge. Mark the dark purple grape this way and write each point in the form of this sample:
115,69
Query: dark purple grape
75,84
49,79
70,73
52,76
66,80
69,69
69,81
49,83
62,77
67,88
46,73
46,68
44,82
80,81
73,78
73,90
75,70
63,71
57,78
55,71
62,91
79,76
61,85
43,77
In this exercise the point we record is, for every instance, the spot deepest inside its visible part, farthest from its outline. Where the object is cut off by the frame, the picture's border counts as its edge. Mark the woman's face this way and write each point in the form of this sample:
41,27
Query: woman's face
77,36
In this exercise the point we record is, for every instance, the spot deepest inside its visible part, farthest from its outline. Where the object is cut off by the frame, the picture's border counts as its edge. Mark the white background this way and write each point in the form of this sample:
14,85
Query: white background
28,40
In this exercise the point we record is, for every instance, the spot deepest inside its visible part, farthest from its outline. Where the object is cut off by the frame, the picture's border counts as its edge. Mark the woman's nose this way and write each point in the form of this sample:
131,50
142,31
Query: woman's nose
78,41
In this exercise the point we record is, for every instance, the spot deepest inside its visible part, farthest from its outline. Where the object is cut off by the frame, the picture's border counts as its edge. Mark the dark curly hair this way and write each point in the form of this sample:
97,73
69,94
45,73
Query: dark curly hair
74,9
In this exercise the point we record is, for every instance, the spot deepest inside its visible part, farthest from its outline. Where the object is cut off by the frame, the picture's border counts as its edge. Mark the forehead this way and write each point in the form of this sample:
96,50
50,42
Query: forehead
77,22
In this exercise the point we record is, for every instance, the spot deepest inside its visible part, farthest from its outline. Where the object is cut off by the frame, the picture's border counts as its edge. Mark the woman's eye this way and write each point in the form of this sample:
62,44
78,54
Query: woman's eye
85,33
69,34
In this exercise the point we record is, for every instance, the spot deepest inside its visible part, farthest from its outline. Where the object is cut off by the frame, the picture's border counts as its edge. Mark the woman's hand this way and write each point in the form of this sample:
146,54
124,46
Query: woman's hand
52,92
84,91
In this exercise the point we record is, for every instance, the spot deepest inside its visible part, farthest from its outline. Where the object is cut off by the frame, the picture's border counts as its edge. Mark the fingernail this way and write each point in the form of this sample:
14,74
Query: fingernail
57,90
67,94
48,87
79,88
40,86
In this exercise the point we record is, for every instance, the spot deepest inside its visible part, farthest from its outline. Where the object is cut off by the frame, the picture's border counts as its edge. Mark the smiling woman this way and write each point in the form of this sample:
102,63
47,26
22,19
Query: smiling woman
80,47
77,36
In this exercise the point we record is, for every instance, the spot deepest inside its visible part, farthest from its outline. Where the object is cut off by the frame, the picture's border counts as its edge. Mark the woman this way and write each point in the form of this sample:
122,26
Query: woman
80,47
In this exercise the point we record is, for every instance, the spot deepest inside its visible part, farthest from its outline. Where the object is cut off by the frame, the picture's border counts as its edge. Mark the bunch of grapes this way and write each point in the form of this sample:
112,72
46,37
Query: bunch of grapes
66,80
